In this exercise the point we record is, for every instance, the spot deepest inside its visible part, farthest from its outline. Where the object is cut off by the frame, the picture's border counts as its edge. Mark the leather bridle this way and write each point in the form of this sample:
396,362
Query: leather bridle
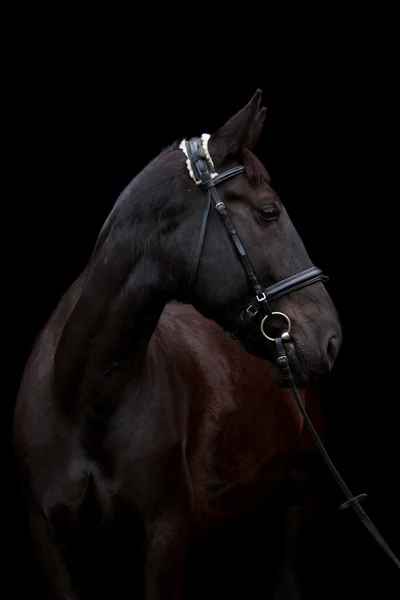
201,169
204,175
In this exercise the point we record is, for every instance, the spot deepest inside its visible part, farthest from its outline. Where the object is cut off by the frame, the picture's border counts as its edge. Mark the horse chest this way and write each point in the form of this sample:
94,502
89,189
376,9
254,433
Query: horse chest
241,451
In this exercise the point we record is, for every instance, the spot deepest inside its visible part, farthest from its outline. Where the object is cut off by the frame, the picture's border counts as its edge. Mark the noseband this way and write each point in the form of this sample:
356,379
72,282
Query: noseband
201,170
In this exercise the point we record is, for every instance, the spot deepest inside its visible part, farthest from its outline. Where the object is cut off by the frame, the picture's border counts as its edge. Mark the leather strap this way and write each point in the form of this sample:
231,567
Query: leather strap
295,282
282,288
220,206
223,176
352,501
196,259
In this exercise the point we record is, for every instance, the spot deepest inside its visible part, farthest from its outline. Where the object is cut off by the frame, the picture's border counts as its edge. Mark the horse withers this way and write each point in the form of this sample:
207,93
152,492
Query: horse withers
136,408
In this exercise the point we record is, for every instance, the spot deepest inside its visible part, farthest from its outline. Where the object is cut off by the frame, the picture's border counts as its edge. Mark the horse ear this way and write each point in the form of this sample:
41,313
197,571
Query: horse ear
233,136
256,129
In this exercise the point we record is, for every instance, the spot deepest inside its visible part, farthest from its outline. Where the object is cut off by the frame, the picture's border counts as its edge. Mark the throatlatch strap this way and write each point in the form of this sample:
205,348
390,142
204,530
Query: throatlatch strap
196,259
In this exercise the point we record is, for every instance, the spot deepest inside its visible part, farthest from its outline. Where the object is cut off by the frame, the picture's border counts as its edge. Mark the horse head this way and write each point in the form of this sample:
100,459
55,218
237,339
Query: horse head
232,211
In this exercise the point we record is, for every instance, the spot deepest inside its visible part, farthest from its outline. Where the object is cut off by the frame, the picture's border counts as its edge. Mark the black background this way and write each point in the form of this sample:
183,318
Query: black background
90,101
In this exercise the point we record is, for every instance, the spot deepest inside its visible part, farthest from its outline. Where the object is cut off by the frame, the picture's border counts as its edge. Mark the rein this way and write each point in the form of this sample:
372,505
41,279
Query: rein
200,163
352,501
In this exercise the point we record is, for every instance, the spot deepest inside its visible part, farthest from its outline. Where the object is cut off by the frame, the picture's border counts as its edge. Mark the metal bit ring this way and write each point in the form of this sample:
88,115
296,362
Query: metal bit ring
285,335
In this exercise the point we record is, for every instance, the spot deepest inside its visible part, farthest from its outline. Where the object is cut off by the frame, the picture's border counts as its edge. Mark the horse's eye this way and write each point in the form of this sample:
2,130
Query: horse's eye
268,213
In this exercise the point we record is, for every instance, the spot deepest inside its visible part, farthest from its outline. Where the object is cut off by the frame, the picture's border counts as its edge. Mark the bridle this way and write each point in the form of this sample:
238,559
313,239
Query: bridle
201,170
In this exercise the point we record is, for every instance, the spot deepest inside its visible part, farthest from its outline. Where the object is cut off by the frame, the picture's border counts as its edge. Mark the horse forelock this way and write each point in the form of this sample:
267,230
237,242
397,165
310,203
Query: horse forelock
254,169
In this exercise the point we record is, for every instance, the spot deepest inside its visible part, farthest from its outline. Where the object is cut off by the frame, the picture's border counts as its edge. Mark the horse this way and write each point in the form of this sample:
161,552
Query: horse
136,407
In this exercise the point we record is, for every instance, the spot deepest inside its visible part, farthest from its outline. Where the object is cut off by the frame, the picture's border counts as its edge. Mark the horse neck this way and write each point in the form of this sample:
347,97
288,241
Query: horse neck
122,294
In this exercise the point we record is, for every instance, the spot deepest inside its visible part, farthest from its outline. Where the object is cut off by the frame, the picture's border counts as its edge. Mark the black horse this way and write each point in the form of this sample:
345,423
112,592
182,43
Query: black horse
136,408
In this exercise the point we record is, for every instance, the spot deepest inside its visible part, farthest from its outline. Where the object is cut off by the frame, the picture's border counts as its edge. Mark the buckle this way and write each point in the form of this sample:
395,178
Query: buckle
249,308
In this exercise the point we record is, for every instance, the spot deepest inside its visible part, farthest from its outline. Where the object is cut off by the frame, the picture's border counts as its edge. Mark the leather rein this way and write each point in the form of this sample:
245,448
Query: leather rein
201,169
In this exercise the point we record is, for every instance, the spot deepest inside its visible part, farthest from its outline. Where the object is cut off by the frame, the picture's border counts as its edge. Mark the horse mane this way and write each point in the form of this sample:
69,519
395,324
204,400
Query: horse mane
255,170
139,178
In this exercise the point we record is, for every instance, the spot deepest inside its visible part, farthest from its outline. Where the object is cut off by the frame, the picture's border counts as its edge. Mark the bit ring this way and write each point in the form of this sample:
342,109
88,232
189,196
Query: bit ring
285,334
